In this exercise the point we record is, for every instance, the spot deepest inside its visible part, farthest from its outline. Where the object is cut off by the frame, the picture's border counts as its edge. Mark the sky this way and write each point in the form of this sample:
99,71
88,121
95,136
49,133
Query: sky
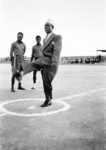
81,23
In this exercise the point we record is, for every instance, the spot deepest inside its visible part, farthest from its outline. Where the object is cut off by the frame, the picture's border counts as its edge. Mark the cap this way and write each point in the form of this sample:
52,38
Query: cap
50,22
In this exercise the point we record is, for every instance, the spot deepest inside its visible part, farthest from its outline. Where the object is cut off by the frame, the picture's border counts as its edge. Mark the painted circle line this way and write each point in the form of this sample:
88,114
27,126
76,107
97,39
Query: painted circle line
2,114
65,107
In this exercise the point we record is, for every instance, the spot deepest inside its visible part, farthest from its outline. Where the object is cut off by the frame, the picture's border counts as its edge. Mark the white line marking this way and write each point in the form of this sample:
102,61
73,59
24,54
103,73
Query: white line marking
96,90
64,108
3,114
59,100
81,94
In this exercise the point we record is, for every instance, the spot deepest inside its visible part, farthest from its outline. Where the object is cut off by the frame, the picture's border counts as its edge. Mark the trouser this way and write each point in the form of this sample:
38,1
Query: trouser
17,64
35,76
47,76
29,67
35,72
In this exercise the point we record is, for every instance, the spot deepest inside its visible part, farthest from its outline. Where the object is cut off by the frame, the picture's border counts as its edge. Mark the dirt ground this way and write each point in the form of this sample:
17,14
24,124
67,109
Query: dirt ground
80,125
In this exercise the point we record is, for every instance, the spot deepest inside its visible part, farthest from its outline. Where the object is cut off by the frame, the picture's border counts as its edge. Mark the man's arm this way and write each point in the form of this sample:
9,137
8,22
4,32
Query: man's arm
57,50
24,48
32,55
12,51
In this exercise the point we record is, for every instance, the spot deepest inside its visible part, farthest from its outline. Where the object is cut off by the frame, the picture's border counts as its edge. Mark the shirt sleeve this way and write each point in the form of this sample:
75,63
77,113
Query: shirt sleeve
57,49
24,48
11,51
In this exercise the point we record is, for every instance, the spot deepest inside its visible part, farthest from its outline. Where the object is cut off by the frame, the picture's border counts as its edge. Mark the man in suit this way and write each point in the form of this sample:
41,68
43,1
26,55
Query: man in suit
48,62
17,60
36,54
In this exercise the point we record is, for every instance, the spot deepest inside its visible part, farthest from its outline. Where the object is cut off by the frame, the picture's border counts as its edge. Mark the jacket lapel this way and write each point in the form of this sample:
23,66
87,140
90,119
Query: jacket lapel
48,41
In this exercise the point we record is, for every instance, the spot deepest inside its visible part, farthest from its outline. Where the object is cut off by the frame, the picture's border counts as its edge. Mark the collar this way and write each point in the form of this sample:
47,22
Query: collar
38,44
49,40
19,42
48,35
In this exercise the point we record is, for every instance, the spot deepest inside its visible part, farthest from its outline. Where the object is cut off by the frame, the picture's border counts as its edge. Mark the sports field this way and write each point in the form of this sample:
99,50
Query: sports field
75,121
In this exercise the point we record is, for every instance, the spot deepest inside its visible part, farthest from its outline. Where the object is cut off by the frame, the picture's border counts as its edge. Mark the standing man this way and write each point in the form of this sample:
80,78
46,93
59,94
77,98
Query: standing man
17,59
36,54
49,62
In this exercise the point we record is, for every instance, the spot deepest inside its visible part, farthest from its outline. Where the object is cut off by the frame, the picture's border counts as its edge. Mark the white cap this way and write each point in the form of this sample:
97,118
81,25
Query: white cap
50,22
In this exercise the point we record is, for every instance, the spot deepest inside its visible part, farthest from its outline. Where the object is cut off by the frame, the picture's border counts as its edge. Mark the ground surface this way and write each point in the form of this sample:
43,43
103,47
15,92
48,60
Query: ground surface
79,123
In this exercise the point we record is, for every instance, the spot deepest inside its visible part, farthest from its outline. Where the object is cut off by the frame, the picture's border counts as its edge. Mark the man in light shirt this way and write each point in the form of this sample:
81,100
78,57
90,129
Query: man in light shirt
36,54
17,52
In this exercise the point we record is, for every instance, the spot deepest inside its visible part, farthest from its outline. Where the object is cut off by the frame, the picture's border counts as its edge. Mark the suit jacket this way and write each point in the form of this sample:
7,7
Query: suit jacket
51,51
51,55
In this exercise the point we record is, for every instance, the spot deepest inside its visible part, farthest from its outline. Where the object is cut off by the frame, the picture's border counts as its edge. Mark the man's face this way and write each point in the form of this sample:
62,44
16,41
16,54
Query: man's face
38,40
48,28
19,37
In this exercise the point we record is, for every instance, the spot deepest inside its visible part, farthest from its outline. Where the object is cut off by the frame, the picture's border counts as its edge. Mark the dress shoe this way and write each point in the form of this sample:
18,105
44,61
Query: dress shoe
46,104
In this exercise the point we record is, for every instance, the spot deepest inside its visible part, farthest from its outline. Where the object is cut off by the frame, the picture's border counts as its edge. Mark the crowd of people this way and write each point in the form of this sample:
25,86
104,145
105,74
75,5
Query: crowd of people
81,60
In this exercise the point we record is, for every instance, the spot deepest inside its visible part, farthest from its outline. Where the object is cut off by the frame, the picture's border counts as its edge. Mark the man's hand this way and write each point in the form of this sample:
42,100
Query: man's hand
53,64
18,76
11,58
